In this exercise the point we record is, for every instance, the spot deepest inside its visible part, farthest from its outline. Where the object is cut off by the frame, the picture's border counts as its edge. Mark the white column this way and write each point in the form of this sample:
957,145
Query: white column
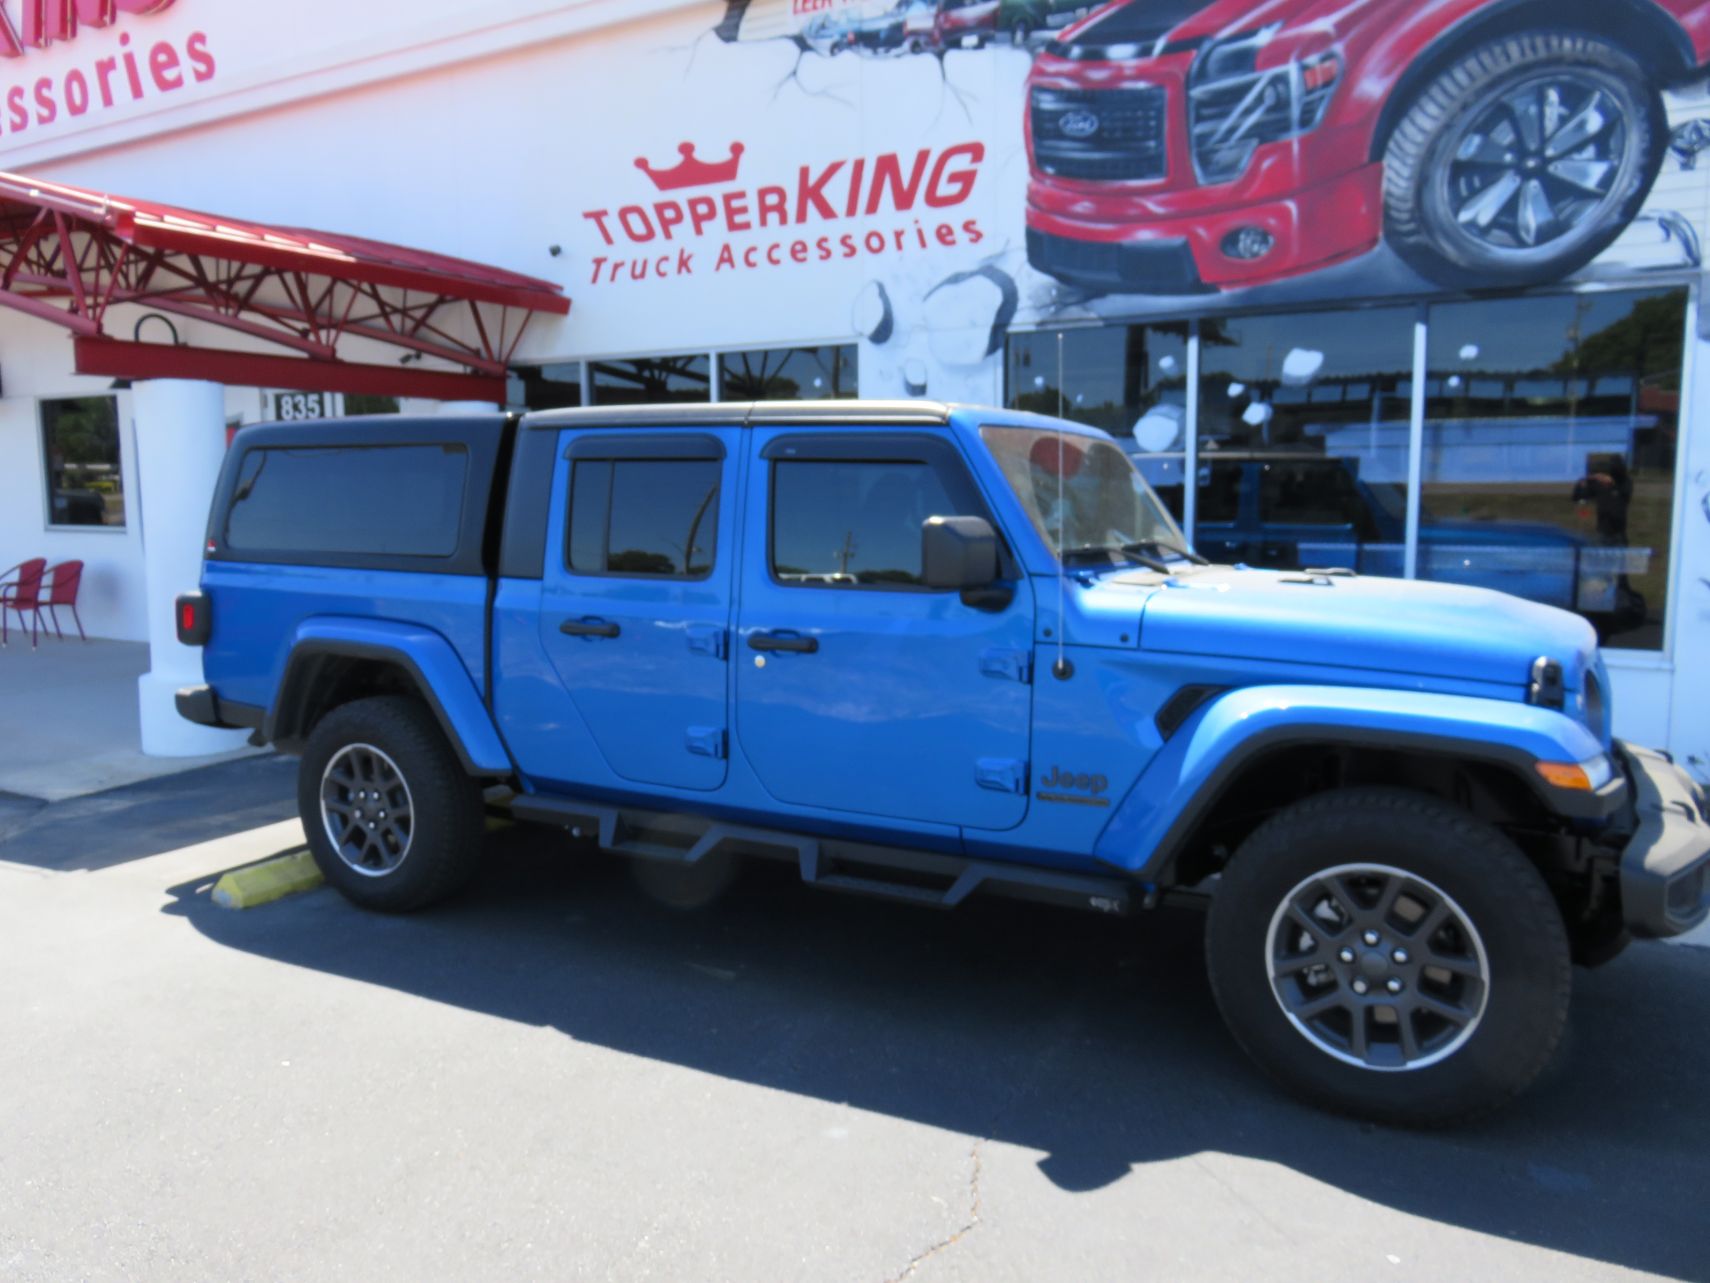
180,443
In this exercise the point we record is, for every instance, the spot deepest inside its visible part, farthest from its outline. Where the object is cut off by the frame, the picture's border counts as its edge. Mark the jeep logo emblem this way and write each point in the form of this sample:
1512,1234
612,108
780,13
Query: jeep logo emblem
1078,124
1078,788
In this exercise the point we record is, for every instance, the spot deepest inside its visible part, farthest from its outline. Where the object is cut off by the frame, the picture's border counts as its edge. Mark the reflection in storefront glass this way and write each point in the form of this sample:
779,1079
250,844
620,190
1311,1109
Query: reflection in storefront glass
651,380
1550,440
1303,431
80,445
1130,380
789,374
544,387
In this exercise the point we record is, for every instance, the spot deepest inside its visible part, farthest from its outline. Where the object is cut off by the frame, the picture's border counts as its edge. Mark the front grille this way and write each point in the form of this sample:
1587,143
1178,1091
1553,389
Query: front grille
1100,134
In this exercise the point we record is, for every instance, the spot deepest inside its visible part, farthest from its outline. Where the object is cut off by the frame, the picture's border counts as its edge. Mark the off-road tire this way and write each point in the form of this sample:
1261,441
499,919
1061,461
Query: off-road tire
1417,222
1503,896
447,821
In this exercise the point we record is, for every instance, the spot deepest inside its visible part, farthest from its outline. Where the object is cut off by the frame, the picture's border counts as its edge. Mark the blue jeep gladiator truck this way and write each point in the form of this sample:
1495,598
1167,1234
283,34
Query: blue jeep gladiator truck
927,652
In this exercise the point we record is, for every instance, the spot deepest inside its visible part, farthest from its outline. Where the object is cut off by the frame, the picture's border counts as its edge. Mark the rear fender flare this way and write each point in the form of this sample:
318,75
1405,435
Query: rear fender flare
1189,774
425,657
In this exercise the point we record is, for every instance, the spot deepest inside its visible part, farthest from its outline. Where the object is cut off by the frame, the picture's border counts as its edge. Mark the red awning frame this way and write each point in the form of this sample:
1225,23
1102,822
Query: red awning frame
69,256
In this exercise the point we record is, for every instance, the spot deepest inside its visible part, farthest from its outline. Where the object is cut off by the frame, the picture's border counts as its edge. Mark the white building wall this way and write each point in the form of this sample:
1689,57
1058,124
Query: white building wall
35,363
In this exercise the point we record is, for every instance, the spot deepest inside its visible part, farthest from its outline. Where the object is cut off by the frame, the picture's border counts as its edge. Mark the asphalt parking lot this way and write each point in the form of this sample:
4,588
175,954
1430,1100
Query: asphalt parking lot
558,1077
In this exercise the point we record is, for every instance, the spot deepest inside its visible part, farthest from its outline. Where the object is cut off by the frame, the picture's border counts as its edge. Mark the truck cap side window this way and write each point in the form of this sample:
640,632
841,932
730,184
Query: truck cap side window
370,500
650,517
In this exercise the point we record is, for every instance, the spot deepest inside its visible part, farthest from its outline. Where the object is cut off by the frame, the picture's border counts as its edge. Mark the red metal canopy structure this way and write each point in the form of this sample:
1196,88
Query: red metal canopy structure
69,256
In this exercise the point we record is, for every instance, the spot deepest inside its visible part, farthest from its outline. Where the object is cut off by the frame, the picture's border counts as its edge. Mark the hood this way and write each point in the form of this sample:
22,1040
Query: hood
1397,626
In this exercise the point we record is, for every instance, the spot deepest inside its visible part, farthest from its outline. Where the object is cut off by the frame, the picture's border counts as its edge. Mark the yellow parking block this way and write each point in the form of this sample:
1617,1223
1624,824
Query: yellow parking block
268,881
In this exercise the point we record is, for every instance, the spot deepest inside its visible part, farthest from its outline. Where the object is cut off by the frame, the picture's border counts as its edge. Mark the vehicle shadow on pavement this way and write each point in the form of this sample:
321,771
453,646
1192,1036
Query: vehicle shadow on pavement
148,818
1093,1041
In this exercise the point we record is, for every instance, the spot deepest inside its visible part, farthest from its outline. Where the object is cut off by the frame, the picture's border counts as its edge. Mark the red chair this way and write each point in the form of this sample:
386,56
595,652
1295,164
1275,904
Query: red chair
23,594
62,591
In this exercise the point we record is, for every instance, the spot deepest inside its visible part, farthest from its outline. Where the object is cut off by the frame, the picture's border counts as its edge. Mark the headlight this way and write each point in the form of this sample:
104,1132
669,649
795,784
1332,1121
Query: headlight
1593,702
1233,107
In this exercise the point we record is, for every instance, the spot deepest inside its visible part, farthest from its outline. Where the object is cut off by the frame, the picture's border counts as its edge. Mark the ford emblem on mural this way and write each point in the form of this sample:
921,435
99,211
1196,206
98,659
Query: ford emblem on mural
1078,124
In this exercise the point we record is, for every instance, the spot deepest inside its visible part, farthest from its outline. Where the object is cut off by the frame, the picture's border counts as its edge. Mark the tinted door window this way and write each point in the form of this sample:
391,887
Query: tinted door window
403,500
1308,493
1220,492
847,523
654,517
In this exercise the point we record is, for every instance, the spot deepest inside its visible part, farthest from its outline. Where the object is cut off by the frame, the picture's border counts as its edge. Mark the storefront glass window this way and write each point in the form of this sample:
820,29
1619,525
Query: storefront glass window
80,447
544,387
1303,430
788,374
1550,439
651,380
1130,380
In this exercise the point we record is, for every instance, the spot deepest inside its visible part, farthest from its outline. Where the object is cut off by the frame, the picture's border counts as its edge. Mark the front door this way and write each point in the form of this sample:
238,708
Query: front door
859,689
635,605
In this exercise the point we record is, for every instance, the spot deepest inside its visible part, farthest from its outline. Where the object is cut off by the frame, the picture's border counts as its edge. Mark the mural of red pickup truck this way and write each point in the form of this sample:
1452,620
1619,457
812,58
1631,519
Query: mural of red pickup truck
1179,146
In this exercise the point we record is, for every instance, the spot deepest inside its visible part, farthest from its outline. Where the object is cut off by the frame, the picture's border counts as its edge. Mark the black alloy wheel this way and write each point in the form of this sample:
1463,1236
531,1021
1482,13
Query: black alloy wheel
1385,954
392,818
1523,161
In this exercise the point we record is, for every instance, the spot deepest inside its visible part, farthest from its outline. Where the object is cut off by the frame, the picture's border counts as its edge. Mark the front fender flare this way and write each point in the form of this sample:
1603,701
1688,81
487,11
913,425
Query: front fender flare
425,656
1187,777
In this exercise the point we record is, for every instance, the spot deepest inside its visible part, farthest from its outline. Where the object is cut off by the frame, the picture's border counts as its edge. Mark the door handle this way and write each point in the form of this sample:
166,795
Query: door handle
783,641
589,628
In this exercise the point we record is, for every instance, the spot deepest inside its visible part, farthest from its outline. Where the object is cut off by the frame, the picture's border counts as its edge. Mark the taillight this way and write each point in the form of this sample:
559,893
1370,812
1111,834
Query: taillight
193,618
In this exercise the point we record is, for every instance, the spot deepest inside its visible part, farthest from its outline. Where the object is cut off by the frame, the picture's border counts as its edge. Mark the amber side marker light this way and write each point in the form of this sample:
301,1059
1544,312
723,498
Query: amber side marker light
1565,775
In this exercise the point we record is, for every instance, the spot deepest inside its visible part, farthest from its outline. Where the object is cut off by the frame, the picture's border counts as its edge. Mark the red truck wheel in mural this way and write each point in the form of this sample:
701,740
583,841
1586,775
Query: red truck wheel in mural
1179,146
1523,161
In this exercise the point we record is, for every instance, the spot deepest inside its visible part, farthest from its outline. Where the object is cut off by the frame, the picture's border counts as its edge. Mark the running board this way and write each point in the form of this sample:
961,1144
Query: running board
927,878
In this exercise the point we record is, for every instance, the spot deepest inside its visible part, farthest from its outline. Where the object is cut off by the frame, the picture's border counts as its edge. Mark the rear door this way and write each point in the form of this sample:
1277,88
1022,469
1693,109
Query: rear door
858,689
636,599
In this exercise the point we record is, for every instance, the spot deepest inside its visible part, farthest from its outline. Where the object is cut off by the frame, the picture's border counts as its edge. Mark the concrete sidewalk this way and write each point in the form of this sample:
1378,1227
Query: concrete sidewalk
68,720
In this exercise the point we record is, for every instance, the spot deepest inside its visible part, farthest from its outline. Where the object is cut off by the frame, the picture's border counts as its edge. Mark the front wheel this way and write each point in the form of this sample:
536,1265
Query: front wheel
1386,955
392,819
1523,161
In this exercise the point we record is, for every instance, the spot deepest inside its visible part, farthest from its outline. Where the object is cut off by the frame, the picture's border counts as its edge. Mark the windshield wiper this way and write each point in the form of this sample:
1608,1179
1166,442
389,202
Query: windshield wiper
1131,551
1162,546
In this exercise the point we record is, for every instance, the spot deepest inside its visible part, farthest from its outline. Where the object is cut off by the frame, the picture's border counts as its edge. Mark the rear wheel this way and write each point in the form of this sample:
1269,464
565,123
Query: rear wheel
393,820
1523,161
1387,955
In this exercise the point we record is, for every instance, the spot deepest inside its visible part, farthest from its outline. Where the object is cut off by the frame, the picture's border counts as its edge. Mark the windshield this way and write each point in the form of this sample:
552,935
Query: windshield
1083,495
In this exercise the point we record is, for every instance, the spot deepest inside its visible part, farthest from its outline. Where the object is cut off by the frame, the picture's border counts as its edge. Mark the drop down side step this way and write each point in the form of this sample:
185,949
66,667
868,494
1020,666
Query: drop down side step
903,874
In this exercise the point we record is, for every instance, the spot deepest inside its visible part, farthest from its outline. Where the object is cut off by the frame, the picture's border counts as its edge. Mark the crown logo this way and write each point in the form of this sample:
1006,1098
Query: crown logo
691,172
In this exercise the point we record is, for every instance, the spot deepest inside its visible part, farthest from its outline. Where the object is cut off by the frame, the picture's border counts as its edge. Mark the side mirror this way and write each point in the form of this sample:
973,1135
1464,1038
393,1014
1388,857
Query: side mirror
958,552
